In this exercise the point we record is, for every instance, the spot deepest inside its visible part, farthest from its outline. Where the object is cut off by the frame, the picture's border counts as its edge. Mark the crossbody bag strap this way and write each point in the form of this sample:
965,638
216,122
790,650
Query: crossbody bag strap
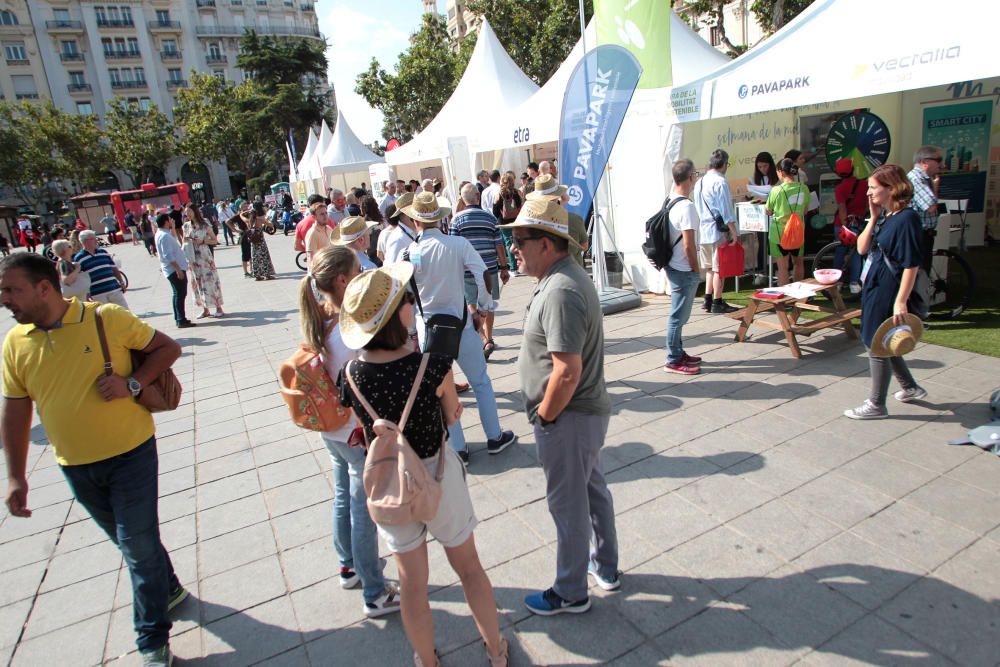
101,336
413,392
413,284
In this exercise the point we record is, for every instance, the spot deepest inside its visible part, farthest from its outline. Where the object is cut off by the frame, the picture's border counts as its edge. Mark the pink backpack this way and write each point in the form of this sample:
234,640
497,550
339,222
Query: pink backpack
397,484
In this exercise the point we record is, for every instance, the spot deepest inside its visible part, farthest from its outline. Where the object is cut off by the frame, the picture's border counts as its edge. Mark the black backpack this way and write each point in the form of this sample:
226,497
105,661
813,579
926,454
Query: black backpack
657,246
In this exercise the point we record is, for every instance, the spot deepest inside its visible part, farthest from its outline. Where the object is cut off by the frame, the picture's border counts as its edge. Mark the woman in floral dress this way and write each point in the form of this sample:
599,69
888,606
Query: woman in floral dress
260,258
199,237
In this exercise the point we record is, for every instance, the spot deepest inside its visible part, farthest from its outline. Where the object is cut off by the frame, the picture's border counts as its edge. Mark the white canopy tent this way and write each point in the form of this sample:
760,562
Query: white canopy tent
345,160
304,169
491,85
325,139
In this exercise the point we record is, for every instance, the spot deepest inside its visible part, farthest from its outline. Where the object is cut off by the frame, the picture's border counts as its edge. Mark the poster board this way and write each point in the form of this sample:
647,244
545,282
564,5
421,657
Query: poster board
962,131
751,217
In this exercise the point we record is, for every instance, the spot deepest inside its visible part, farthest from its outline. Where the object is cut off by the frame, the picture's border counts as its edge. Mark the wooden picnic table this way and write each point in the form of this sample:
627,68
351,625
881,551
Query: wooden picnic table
788,309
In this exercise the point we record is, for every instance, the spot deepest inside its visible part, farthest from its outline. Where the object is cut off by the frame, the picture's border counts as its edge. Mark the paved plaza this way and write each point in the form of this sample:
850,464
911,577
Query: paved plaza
756,525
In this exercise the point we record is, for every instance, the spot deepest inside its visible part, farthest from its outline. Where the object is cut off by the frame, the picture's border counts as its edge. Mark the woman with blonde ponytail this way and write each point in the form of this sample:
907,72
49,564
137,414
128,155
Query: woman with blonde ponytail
354,535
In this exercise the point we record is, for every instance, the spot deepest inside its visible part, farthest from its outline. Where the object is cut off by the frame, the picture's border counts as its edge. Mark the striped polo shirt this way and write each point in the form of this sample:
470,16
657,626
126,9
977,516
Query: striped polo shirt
479,227
101,268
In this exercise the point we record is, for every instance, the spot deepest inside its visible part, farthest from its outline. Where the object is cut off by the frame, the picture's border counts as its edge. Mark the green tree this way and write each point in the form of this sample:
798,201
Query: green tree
771,15
140,140
44,148
277,60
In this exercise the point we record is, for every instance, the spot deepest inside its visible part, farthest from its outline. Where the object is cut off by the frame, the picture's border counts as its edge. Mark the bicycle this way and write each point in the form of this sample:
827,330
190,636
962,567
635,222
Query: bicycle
951,283
300,261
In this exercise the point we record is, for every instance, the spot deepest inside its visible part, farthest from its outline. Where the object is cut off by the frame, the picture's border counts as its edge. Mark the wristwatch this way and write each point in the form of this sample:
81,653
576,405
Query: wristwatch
133,386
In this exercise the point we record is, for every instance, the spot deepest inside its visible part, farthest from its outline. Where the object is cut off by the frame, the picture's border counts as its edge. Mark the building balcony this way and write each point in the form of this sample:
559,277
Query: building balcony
308,7
206,3
25,96
167,56
18,62
129,84
115,23
164,26
78,87
216,58
236,3
123,55
71,57
234,31
176,83
64,26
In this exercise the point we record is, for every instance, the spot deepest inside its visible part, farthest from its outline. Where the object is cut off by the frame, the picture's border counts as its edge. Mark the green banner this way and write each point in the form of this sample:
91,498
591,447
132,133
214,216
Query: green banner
642,27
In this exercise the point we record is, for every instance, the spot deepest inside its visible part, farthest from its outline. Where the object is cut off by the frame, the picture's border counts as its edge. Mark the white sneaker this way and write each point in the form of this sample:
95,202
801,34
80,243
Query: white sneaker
387,603
867,410
912,394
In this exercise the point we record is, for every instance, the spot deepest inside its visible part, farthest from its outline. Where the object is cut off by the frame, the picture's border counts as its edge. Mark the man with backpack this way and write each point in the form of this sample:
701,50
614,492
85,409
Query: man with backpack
681,227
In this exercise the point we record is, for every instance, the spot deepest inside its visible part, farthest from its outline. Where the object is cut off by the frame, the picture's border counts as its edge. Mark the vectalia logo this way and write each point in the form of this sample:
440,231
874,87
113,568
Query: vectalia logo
769,87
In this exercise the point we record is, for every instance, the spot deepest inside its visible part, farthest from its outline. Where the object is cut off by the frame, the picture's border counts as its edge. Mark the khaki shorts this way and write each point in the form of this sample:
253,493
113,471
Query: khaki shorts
455,518
708,257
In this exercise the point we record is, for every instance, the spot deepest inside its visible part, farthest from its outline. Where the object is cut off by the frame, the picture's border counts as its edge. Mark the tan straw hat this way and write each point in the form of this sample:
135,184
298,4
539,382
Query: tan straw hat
402,201
426,208
370,300
546,187
350,230
544,215
891,340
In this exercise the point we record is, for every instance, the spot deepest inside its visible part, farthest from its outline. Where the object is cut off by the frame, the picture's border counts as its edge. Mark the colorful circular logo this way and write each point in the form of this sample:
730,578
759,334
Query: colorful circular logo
743,91
575,194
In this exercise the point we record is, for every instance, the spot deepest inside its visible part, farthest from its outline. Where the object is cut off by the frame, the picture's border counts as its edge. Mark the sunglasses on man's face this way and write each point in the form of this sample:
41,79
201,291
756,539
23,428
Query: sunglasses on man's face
521,240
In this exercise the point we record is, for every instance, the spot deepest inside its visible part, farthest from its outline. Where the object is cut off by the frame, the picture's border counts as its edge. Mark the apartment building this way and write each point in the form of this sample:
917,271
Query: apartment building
83,54
460,20
739,22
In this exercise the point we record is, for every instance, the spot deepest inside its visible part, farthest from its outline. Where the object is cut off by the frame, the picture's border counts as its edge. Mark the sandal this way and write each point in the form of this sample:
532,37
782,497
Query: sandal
501,660
489,347
420,663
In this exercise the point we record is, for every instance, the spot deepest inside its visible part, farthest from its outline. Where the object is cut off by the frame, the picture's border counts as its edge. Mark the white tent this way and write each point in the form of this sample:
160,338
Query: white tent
491,85
345,152
304,169
906,44
537,119
325,139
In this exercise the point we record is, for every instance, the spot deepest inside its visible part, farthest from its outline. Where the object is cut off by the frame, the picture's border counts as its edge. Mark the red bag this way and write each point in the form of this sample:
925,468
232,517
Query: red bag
731,260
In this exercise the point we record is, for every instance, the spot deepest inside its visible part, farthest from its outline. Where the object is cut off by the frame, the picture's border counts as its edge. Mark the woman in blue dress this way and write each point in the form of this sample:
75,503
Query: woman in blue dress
891,240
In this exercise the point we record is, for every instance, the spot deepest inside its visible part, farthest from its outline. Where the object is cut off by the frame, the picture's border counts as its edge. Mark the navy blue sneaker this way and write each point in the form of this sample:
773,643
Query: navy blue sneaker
548,603
505,440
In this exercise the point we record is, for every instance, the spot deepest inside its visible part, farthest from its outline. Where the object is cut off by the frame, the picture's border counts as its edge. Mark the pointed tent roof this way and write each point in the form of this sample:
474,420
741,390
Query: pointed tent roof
537,119
775,76
492,83
307,156
346,152
325,137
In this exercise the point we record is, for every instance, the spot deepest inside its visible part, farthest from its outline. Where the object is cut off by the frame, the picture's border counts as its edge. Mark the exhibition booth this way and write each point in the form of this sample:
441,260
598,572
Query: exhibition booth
336,159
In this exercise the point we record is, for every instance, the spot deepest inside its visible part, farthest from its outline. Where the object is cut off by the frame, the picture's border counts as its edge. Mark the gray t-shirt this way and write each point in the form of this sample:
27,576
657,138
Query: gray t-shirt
564,315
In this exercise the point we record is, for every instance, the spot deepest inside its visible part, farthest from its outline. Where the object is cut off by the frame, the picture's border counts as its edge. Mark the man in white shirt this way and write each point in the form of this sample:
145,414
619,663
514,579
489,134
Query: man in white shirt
489,195
713,198
682,271
440,263
174,264
394,241
388,199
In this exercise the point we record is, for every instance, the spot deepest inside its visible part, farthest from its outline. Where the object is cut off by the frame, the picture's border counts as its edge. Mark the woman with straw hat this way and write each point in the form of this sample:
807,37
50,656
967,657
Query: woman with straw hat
353,233
375,313
891,239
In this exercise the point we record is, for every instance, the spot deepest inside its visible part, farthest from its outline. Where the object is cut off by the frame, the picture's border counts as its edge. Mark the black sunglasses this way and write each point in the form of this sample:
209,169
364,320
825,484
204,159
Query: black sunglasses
519,241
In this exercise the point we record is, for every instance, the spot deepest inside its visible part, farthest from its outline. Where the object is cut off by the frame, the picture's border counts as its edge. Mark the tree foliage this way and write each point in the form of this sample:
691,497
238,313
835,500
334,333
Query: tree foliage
771,15
44,147
277,60
140,141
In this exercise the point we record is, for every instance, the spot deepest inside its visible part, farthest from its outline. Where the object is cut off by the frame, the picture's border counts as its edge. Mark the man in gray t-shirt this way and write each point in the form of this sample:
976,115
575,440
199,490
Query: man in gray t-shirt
561,364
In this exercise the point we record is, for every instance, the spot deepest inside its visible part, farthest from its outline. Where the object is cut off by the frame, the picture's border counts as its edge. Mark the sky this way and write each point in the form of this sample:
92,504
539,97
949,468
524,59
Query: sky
355,32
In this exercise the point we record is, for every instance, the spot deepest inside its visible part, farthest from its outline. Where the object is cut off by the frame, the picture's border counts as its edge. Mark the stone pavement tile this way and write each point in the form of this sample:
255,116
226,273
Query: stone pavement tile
172,443
668,471
958,623
642,656
231,516
518,487
81,564
37,547
872,641
454,626
926,446
974,569
265,385
216,449
12,620
625,447
618,391
982,472
171,507
485,504
839,500
724,496
633,550
325,606
309,563
785,528
886,474
680,426
220,430
44,496
578,639
174,427
280,451
298,494
228,489
224,466
825,450
175,460
813,410
951,500
285,431
875,433
515,579
664,522
230,400
121,634
42,519
174,481
771,427
658,595
78,644
263,418
503,538
71,604
5,654
219,414
723,635
22,582
475,654
725,560
289,470
862,571
796,608
968,379
642,410
913,534
304,525
233,549
252,635
727,446
241,588
631,487
293,658
382,642
536,516
776,471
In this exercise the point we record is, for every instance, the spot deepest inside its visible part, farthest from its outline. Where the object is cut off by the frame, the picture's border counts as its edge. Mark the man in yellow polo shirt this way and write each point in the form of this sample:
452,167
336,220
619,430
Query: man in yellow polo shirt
103,439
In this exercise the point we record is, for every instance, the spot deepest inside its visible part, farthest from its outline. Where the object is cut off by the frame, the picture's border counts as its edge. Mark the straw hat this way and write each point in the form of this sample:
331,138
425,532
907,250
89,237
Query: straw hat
426,208
895,341
370,300
402,201
546,187
350,230
545,215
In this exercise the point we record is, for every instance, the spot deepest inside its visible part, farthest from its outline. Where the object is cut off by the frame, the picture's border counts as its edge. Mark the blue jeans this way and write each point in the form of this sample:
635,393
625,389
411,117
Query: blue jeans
473,364
854,270
683,285
227,234
180,287
511,261
121,494
354,535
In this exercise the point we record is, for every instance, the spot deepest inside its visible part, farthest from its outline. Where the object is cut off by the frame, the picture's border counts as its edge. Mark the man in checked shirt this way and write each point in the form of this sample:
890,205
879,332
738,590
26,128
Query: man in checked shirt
925,180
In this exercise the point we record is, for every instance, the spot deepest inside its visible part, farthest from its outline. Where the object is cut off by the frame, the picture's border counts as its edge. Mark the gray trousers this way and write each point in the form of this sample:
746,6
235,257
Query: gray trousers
579,500
882,369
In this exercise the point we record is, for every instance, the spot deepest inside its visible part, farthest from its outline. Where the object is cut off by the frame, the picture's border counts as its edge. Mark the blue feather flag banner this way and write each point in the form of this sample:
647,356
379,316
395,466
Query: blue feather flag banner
594,105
